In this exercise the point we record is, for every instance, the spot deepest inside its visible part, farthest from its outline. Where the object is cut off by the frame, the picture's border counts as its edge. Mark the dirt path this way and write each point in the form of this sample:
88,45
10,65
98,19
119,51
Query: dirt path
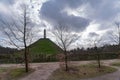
43,70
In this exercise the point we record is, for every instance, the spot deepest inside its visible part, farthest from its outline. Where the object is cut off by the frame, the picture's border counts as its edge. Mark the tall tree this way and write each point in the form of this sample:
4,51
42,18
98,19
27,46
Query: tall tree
95,42
64,37
19,31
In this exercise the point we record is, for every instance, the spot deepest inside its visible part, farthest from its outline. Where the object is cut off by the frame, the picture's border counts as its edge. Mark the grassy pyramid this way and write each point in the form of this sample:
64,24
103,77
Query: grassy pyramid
41,51
44,46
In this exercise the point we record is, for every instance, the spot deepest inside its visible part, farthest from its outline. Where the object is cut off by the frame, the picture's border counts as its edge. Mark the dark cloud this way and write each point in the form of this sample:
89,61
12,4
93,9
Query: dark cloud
51,11
103,12
93,34
70,3
7,2
102,9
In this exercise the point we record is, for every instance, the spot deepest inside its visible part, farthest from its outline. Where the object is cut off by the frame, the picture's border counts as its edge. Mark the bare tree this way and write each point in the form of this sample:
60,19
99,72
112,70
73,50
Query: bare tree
19,31
115,36
97,52
95,42
64,38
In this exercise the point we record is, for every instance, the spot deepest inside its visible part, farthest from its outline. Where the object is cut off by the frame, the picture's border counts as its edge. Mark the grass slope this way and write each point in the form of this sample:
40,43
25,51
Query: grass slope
45,46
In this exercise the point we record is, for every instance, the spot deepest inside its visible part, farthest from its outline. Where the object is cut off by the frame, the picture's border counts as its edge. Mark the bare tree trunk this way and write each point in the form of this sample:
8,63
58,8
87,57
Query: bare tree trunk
66,61
26,60
98,57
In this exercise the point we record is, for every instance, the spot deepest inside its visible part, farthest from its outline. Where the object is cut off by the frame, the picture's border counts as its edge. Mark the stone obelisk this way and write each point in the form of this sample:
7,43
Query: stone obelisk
44,33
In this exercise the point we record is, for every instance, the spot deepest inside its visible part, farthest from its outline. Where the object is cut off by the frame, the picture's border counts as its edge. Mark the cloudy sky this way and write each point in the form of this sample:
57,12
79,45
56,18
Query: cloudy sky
89,18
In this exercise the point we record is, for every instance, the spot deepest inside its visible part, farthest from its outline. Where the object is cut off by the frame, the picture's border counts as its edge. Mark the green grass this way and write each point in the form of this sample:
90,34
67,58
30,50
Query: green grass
116,64
13,74
80,72
18,73
44,46
3,70
2,73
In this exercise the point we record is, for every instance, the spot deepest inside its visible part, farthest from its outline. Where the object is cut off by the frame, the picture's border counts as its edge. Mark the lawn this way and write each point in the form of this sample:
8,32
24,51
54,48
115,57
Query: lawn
80,72
2,70
116,64
13,74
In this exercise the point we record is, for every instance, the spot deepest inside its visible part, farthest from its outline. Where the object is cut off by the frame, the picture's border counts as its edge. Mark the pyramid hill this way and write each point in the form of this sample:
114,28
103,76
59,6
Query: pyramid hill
41,51
44,46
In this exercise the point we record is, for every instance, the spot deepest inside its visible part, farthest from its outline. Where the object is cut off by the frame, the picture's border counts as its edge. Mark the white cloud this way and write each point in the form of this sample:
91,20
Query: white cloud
98,15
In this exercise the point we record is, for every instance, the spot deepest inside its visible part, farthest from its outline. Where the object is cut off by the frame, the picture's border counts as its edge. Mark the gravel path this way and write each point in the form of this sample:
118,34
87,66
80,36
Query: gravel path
43,70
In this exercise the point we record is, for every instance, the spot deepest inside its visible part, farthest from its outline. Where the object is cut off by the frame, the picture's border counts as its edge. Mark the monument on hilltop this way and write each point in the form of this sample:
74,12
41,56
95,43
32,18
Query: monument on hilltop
44,33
